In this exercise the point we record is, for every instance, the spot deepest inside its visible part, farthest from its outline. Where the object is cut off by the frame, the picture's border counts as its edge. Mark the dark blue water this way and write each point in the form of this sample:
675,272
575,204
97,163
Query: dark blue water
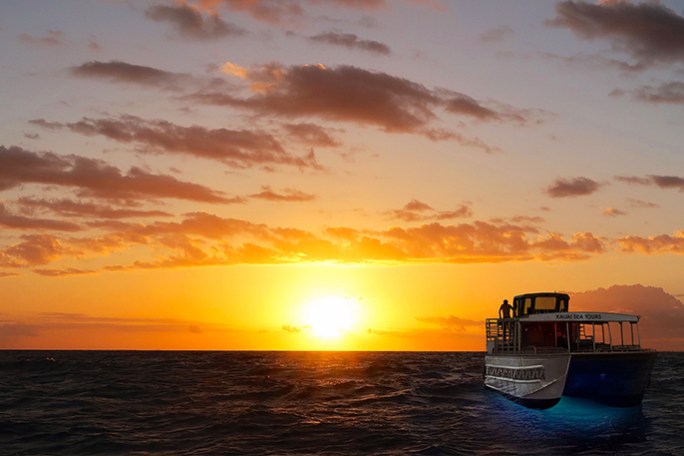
213,403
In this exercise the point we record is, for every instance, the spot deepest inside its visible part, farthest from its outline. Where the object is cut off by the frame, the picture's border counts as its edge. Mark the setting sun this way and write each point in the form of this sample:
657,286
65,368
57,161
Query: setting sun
329,317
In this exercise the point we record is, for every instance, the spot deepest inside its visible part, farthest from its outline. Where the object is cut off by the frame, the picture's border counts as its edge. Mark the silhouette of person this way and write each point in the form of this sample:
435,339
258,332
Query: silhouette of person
505,309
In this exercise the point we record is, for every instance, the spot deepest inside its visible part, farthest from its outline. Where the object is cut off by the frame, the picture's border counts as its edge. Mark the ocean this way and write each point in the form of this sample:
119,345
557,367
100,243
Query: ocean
291,403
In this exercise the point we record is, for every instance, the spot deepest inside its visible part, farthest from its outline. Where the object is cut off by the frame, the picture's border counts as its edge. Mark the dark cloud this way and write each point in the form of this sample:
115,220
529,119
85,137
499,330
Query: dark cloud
94,177
578,186
666,182
662,314
649,32
235,148
122,72
352,94
666,93
351,41
190,23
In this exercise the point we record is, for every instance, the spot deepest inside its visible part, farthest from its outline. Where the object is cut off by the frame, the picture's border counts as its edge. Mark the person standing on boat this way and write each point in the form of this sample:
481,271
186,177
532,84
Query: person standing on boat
505,309
505,312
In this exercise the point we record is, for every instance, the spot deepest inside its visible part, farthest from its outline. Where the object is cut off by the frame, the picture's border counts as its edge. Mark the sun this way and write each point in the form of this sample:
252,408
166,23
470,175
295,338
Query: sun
330,317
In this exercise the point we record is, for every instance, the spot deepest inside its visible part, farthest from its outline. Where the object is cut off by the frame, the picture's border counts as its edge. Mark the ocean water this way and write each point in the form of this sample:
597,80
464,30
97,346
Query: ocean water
281,403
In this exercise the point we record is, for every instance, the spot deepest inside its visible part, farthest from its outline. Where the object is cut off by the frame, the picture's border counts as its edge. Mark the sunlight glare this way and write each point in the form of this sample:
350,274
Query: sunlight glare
329,317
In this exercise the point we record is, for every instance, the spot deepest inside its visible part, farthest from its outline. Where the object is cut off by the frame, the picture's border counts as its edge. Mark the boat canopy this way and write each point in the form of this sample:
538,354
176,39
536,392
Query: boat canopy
584,317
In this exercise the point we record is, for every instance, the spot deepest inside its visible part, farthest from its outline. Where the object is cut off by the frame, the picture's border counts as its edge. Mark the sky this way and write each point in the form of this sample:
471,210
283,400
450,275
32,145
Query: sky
335,174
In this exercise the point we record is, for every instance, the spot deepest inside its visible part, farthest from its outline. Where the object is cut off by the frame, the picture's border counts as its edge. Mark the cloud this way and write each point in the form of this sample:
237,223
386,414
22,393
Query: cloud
311,134
612,212
497,35
70,208
662,314
201,239
51,38
666,182
289,194
94,178
234,148
285,12
649,32
663,243
19,222
666,93
416,210
122,72
36,249
190,23
351,94
578,186
452,322
351,41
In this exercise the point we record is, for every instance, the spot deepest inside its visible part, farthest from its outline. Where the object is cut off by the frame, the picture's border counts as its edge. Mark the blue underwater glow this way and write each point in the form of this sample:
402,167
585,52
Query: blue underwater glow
572,422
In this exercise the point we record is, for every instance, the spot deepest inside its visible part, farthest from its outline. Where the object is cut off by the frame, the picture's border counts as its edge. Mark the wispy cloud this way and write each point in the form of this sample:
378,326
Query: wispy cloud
416,210
289,194
14,221
351,41
666,182
51,38
234,148
86,209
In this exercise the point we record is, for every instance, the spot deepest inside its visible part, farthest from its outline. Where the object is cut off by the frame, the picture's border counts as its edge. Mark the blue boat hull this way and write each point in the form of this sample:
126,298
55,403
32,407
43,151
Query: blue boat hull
615,379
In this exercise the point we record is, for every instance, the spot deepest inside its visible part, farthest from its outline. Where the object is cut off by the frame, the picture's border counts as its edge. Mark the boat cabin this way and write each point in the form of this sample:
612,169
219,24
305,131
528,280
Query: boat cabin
542,323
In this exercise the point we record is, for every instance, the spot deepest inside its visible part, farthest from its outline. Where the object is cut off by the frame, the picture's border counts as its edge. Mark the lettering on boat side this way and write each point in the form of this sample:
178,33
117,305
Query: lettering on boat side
580,316
517,373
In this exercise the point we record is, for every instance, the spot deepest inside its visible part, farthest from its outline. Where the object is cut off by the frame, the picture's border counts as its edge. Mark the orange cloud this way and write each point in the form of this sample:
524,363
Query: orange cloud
289,194
663,243
416,210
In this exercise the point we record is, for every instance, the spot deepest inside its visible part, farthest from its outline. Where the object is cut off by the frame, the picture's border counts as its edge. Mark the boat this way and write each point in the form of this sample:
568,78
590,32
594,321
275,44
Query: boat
543,352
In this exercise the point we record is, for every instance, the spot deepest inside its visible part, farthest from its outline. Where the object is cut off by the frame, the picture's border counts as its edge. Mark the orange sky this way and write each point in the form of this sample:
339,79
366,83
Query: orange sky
329,174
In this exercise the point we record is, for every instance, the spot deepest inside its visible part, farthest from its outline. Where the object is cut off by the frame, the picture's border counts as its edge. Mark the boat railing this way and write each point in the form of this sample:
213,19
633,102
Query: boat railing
508,335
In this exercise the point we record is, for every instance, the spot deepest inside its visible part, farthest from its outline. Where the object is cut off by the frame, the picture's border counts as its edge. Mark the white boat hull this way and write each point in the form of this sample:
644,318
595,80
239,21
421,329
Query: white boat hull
534,380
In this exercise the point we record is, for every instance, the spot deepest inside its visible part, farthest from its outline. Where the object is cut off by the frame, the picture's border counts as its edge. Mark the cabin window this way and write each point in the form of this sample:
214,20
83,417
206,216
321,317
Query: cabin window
528,306
545,304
